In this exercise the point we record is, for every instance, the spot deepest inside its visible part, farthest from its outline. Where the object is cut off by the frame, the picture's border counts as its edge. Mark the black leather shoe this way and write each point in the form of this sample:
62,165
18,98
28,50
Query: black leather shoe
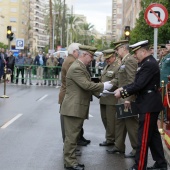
105,144
82,143
76,167
81,165
130,155
158,167
86,140
114,150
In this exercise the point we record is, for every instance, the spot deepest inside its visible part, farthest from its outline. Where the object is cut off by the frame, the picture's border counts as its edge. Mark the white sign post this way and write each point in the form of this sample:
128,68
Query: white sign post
156,15
19,44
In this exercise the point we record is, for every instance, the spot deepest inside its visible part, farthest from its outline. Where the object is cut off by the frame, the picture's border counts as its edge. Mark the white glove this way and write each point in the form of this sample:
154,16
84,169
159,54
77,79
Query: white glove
103,94
107,85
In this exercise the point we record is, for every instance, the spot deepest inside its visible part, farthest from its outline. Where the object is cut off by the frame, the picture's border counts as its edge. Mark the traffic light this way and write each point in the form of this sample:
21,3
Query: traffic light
127,32
10,34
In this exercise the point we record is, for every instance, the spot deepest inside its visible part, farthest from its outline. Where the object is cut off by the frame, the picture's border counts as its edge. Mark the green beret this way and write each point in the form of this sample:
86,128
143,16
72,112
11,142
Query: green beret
120,43
89,49
108,53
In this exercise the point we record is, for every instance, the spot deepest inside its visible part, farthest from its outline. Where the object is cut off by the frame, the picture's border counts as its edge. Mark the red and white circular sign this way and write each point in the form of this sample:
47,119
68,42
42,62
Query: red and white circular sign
156,15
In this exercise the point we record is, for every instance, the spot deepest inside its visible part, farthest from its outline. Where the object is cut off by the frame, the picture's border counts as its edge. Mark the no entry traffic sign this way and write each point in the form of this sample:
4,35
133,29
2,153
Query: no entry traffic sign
156,15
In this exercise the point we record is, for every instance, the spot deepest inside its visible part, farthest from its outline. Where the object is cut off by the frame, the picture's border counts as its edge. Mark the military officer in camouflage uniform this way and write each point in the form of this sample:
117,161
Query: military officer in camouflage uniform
126,75
107,104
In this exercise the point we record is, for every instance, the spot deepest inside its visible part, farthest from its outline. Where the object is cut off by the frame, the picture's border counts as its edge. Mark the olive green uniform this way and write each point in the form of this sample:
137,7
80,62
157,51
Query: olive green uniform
126,75
107,104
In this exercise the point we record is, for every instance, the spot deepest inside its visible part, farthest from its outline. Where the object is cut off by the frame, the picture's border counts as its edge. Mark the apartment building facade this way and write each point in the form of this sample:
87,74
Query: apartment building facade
37,37
14,13
124,13
27,19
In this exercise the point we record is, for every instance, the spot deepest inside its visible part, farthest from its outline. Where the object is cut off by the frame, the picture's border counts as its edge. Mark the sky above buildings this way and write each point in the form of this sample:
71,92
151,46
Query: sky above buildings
95,11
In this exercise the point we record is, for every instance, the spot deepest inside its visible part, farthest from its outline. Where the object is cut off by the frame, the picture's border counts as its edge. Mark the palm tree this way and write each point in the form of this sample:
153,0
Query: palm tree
73,22
86,32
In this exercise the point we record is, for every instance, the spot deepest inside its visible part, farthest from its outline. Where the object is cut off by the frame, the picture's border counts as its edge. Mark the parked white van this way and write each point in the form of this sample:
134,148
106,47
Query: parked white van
62,53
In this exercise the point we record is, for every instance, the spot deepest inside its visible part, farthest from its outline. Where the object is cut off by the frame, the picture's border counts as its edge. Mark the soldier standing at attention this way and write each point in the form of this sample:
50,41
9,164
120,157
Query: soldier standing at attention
164,64
107,104
75,106
149,102
126,75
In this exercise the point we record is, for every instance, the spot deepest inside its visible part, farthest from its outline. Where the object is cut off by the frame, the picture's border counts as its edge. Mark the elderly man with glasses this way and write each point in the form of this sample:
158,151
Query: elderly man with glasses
75,106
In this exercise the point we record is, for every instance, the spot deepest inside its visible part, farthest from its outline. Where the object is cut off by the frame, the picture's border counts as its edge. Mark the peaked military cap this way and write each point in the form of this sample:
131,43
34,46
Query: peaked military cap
139,45
87,48
162,46
152,47
108,53
120,43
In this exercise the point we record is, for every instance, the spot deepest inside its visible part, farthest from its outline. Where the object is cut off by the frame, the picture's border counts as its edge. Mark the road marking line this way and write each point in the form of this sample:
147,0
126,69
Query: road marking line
42,97
11,121
90,115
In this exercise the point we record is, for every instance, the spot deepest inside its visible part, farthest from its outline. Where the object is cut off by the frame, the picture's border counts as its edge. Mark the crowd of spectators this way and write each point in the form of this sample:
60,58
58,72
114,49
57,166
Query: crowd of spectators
44,68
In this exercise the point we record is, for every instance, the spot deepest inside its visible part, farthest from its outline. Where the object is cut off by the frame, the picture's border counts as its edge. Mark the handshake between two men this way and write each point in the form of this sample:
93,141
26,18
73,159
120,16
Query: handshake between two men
108,86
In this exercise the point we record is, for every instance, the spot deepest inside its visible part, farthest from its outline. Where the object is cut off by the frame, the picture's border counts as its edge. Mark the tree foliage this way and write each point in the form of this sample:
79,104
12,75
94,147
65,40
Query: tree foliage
142,31
2,45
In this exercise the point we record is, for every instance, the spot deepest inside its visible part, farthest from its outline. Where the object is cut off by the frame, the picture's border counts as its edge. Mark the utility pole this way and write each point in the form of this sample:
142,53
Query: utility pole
63,26
51,26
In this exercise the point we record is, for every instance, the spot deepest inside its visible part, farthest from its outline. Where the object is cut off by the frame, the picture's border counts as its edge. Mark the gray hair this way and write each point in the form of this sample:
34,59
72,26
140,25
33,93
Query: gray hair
72,47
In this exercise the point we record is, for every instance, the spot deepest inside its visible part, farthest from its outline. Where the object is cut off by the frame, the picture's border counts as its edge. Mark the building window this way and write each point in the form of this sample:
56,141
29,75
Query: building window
13,20
13,10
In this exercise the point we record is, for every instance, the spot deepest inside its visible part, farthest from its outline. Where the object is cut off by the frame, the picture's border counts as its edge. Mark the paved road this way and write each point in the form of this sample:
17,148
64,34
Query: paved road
30,134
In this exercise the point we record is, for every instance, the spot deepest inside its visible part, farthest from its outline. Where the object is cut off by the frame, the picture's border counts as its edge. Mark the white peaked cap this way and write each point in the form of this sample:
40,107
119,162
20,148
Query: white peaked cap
138,45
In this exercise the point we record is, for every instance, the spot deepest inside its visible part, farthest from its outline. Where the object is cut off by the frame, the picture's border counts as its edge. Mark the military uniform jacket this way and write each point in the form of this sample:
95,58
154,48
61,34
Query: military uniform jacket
79,89
110,74
165,68
66,65
126,74
52,62
146,86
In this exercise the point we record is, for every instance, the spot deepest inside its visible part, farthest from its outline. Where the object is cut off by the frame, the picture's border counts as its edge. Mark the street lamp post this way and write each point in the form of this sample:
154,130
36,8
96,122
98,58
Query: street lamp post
54,26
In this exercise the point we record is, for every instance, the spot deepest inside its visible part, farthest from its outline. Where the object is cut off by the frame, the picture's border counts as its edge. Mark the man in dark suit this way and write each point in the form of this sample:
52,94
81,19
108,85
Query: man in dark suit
149,102
75,106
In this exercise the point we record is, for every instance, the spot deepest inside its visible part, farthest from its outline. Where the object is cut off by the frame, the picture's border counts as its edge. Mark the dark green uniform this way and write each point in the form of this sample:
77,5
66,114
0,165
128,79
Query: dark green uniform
165,68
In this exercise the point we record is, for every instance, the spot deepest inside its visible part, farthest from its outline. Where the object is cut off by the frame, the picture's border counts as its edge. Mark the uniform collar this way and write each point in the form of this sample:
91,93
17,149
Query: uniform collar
125,57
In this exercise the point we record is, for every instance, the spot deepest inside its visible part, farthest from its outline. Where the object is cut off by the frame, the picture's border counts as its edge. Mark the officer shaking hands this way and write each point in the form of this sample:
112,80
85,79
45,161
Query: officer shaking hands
75,106
107,103
149,103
